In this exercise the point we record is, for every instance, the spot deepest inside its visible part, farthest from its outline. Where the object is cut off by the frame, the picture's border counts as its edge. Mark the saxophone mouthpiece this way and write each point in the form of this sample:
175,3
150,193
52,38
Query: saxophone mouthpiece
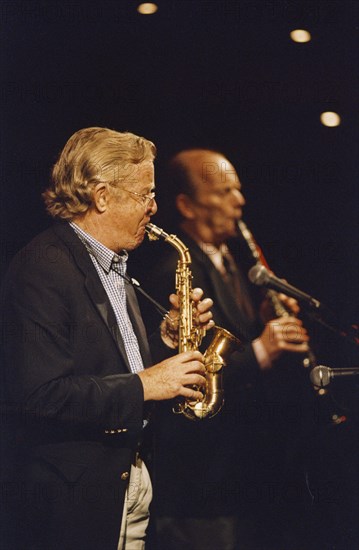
154,232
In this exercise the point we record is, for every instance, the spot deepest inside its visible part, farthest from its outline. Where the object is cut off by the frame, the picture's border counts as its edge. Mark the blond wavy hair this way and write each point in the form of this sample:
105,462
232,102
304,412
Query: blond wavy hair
91,156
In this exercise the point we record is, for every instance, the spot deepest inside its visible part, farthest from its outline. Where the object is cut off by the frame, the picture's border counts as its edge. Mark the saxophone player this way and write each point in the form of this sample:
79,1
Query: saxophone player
77,372
213,510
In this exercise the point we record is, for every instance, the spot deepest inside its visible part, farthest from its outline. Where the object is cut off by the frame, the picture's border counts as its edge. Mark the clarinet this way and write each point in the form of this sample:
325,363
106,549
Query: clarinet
309,360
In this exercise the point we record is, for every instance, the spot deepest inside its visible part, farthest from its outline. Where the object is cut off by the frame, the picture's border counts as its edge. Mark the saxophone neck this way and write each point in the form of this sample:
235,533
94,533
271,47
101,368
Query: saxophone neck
155,233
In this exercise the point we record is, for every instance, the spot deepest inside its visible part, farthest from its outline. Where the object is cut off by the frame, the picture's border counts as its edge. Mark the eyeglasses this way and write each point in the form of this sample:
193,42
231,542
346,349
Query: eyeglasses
143,198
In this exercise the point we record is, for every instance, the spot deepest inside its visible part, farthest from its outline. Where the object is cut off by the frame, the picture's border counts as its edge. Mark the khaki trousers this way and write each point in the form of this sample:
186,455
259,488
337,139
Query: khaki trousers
136,514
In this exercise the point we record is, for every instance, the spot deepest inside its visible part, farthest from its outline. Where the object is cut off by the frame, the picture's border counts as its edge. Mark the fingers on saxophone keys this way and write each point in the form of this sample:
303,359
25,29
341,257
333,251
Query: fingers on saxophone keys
197,294
193,368
205,323
194,380
204,316
204,305
204,313
192,394
192,355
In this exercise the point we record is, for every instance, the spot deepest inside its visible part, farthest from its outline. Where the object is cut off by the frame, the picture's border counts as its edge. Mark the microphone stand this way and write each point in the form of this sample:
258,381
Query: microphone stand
318,317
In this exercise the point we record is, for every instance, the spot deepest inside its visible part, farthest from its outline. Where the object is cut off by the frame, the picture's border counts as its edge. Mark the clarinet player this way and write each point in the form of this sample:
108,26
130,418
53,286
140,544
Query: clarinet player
232,462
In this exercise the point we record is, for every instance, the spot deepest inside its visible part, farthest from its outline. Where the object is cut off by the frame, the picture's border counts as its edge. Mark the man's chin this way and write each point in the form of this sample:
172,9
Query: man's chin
137,241
231,231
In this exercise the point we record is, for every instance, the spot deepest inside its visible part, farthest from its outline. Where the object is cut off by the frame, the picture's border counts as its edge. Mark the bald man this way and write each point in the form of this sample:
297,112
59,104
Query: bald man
230,462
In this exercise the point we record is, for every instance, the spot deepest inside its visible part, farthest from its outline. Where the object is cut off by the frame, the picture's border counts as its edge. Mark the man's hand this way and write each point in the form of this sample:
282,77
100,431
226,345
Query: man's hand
289,303
174,377
202,317
284,334
267,311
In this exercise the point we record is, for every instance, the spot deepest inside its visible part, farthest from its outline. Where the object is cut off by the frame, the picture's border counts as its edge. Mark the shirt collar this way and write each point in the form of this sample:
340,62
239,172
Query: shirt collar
214,254
103,255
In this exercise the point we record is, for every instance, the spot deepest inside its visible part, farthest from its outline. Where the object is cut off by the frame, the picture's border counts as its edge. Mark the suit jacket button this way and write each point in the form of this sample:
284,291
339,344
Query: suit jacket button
125,475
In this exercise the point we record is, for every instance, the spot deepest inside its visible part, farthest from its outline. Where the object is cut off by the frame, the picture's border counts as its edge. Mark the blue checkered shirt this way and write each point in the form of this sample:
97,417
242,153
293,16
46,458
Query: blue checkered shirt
111,269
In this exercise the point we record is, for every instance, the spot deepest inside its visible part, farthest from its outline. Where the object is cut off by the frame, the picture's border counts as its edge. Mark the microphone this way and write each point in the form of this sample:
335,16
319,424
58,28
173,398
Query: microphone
321,376
259,275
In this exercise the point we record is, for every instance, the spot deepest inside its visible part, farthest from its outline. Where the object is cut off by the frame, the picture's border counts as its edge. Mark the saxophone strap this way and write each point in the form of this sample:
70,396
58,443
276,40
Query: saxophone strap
136,285
129,280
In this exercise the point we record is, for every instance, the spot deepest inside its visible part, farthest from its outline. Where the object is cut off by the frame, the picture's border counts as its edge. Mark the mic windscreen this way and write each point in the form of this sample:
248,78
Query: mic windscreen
258,275
320,376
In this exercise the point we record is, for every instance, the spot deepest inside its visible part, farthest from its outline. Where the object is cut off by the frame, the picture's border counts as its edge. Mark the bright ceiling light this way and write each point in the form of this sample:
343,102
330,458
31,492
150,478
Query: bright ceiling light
147,8
329,118
300,35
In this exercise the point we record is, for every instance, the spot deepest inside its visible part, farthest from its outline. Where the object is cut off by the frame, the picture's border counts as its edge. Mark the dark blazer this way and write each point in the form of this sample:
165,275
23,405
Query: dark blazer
66,386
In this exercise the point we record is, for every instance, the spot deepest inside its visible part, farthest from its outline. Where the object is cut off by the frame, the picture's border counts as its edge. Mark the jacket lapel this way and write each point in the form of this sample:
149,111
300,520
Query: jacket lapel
100,299
95,290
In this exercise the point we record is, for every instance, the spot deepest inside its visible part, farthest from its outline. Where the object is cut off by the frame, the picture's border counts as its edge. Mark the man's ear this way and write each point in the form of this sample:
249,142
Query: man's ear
185,206
100,197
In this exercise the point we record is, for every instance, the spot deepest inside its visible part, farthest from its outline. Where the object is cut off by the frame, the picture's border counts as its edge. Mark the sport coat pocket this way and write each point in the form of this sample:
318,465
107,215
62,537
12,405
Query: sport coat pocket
69,460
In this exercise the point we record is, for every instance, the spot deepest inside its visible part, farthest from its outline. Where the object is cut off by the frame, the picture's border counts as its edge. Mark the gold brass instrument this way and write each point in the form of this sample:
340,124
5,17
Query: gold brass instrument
280,310
190,337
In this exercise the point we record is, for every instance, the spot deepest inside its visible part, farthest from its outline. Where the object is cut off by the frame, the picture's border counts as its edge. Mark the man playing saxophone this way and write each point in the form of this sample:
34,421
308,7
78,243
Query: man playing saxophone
77,373
207,205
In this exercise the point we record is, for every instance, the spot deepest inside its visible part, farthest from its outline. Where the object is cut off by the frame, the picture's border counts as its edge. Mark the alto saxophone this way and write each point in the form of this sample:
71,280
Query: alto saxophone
280,310
221,347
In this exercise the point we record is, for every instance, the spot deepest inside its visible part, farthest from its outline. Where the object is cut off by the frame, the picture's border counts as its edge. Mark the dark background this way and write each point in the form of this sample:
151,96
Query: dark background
217,74
222,74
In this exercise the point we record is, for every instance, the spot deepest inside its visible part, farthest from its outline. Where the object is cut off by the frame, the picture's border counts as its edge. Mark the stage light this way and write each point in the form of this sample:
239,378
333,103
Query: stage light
300,35
147,8
329,118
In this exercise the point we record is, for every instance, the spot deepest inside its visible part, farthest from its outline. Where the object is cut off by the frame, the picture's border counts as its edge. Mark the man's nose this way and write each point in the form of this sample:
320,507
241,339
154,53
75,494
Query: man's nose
152,207
238,197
